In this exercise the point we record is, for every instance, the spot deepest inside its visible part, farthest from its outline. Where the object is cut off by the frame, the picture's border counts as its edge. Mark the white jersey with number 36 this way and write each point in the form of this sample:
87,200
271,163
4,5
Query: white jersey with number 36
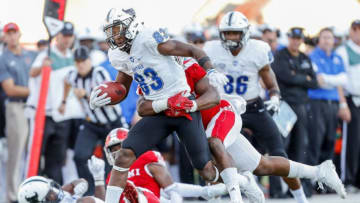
158,76
243,69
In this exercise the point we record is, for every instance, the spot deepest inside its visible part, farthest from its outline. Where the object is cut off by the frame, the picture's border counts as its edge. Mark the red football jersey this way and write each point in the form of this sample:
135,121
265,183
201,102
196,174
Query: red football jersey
194,73
141,176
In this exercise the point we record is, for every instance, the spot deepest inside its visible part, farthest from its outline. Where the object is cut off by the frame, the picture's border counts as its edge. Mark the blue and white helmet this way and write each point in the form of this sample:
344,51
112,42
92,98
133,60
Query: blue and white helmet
39,189
129,27
234,21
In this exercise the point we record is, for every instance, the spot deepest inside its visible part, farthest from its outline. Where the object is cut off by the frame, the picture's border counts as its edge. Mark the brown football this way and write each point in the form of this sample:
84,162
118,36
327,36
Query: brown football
115,90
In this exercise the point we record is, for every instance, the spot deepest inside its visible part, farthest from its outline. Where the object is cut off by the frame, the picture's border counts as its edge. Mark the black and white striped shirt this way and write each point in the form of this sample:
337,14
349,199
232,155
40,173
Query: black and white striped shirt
96,76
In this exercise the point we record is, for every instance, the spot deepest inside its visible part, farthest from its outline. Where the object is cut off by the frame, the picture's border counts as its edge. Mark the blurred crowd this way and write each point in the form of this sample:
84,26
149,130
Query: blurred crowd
319,77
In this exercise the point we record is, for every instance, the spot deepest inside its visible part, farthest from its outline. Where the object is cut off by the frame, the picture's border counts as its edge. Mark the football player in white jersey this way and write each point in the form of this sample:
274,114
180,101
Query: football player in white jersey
147,55
245,61
39,189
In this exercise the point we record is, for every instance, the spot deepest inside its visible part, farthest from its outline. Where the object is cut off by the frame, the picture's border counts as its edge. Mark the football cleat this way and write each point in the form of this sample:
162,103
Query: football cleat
327,175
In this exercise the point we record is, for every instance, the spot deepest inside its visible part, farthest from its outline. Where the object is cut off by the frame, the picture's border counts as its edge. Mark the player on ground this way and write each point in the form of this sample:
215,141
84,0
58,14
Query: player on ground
39,189
149,173
147,55
223,122
244,62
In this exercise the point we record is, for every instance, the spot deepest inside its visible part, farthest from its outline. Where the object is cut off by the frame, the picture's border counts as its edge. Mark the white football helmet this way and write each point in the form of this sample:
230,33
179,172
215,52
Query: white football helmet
115,137
128,25
234,21
39,189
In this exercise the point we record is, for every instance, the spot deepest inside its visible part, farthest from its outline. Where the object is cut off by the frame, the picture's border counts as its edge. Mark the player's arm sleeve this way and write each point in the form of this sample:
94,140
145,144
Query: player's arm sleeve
120,61
194,70
264,55
154,38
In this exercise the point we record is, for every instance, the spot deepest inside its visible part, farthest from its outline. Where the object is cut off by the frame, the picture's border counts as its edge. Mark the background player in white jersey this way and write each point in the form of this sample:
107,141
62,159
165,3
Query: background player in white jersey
244,62
148,56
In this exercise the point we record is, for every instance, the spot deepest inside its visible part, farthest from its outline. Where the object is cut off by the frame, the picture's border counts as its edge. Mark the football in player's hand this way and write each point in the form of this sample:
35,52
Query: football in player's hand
115,90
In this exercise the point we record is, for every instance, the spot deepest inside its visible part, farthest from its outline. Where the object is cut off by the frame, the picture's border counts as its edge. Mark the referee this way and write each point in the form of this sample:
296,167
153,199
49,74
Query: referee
98,122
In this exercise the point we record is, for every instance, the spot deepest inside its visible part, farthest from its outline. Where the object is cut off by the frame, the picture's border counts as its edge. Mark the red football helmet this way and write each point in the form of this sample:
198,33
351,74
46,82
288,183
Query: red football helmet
116,136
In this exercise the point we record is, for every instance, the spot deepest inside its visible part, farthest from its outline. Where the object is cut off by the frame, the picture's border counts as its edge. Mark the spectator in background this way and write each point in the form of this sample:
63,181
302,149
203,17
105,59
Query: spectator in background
98,122
350,158
15,63
310,44
269,35
58,127
255,32
2,42
328,101
197,38
295,76
339,37
3,144
101,42
87,38
2,93
42,45
212,33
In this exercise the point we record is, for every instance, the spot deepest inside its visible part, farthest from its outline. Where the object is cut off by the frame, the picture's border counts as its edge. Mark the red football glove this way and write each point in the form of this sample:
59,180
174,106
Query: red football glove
180,102
130,193
177,113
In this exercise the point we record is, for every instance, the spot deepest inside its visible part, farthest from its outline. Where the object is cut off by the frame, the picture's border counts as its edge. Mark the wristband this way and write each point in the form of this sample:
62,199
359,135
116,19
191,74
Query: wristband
63,101
194,107
216,175
99,183
203,60
210,70
160,105
120,169
343,105
274,92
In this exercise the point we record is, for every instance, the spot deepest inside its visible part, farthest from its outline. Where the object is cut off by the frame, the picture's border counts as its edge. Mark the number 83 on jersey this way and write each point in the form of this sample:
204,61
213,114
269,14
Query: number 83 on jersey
155,83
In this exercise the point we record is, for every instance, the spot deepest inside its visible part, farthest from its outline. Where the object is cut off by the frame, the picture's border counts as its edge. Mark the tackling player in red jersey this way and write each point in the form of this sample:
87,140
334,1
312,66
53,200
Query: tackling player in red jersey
223,122
148,176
